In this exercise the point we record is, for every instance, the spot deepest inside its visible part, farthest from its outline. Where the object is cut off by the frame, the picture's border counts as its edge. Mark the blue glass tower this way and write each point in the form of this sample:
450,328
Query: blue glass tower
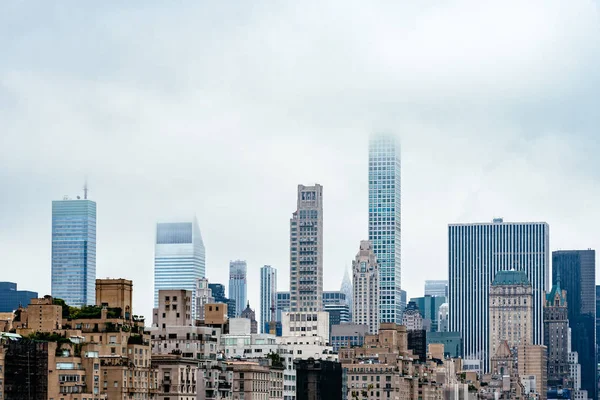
238,289
11,298
384,223
179,258
74,251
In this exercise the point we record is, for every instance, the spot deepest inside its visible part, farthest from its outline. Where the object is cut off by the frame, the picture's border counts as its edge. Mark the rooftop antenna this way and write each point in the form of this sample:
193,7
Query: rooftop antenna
85,189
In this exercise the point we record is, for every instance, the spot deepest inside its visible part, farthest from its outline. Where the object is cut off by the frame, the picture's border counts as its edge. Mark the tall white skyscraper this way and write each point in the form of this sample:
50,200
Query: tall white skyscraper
268,295
437,288
238,285
365,274
385,224
306,251
179,258
476,253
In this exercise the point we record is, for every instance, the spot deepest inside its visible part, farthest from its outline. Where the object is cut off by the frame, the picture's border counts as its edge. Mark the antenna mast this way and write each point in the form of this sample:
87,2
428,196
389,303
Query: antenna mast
85,189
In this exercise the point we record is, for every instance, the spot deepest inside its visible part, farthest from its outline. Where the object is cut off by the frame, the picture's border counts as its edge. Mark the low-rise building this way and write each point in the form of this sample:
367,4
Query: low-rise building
177,377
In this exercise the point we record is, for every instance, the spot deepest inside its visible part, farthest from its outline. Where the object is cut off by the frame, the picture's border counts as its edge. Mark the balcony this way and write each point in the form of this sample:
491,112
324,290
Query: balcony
224,386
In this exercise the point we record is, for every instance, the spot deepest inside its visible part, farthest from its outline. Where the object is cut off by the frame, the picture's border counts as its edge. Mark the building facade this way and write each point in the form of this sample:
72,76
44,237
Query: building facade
318,379
268,296
429,306
436,288
306,251
412,317
218,293
179,258
532,367
510,311
476,253
346,288
74,251
203,296
576,270
11,298
249,313
365,282
385,222
556,336
348,335
238,285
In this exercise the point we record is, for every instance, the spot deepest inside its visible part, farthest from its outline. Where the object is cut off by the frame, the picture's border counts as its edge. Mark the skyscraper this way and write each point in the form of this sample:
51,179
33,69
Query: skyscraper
268,295
511,311
384,223
179,258
346,288
556,335
437,288
218,293
74,251
306,251
476,253
238,288
365,274
577,269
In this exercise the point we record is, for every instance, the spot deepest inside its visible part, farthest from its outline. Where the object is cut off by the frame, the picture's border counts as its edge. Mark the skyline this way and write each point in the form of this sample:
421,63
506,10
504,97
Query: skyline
493,123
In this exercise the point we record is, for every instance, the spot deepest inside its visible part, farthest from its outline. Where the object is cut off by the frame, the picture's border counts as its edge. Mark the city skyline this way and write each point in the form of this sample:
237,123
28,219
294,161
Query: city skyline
155,132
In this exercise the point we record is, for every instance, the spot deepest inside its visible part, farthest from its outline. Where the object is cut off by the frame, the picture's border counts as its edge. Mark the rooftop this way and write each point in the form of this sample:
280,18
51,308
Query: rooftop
512,277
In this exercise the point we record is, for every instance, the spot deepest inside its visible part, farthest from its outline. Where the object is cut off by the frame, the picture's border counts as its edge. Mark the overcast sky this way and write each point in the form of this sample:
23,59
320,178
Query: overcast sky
221,109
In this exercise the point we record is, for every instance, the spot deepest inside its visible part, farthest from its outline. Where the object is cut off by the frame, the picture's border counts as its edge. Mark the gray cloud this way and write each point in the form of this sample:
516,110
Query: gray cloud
221,110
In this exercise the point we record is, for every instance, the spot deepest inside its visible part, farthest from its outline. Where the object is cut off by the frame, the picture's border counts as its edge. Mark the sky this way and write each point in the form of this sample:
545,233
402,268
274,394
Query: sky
220,109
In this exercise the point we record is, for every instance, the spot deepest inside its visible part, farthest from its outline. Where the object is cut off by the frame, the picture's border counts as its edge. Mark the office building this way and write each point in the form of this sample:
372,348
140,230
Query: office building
577,272
365,282
318,379
429,307
532,367
598,327
218,293
179,258
346,288
268,296
203,296
436,288
412,319
238,284
476,253
348,335
510,310
443,320
384,223
306,251
338,313
283,304
11,298
556,335
74,251
452,342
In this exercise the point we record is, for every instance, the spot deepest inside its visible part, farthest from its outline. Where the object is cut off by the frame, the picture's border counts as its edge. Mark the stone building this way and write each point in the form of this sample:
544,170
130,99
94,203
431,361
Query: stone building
510,310
556,337
177,377
251,315
365,284
412,318
251,381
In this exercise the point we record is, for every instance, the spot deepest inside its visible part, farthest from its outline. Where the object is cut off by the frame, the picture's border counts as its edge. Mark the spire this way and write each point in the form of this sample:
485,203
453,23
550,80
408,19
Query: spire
85,189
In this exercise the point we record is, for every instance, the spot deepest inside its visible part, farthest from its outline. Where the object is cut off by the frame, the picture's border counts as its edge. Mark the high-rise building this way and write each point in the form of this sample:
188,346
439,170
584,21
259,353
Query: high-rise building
365,278
306,251
511,311
412,319
203,296
268,296
384,223
238,285
218,293
476,253
436,288
179,258
249,313
11,298
283,304
598,327
576,270
346,288
74,251
533,369
556,335
429,307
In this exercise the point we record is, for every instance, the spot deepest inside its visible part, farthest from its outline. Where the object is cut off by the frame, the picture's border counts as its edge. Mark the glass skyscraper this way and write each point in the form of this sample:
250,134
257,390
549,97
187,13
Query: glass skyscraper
476,253
238,285
179,258
74,251
385,224
577,270
268,296
11,298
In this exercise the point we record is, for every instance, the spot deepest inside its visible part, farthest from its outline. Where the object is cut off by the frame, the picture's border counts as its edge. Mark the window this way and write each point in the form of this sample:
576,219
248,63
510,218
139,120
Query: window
174,298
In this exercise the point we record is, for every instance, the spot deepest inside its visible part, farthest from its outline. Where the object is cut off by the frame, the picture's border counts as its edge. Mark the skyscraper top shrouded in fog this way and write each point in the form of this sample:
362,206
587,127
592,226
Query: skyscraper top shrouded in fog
179,258
306,251
238,285
74,251
577,270
385,224
476,253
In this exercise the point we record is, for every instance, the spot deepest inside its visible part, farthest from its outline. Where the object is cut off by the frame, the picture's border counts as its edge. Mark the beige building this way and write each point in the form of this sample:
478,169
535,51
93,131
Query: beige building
115,293
41,315
365,281
532,367
510,311
174,308
215,314
177,377
251,381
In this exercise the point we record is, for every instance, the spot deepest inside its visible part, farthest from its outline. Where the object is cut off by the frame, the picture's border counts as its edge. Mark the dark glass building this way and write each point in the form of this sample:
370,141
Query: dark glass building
218,293
318,380
11,298
26,370
417,342
576,270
